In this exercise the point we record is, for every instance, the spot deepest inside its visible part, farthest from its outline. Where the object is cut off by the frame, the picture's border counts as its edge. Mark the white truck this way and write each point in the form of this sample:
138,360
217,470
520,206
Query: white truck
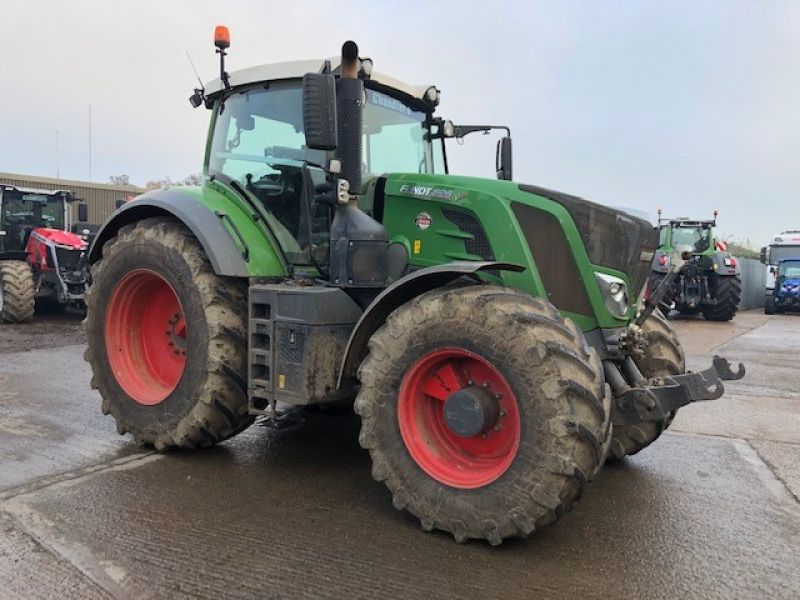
784,245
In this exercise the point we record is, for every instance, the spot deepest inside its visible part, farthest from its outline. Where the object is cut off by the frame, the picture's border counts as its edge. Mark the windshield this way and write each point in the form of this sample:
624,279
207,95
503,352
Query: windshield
696,237
777,253
394,137
23,212
790,269
258,140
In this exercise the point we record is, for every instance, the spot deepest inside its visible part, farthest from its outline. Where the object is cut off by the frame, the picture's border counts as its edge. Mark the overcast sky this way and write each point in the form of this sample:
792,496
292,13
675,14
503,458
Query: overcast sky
688,106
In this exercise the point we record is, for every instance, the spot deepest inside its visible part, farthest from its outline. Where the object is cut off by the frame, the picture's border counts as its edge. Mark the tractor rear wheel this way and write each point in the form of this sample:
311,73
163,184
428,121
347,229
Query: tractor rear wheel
167,338
727,290
663,356
484,411
17,292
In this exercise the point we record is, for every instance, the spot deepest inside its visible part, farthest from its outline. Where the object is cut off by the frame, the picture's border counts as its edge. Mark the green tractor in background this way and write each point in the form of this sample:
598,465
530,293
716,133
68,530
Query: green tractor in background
488,332
709,282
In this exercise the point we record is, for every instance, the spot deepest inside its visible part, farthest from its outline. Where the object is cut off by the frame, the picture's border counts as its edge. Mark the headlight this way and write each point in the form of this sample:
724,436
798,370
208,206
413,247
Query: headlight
615,293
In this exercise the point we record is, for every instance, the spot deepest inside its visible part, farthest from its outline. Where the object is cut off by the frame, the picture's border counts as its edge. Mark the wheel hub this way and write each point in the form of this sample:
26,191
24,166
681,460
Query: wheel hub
471,411
146,337
459,418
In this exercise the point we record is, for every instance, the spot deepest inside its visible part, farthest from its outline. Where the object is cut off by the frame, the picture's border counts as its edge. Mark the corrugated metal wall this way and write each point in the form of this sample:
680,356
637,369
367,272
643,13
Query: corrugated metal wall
754,276
100,197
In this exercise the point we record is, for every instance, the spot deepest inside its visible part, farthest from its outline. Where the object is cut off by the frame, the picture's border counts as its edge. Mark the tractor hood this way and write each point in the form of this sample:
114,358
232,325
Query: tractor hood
613,238
62,238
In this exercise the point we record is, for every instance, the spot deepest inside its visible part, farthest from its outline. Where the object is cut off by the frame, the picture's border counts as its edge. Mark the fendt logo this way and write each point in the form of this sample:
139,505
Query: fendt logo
426,191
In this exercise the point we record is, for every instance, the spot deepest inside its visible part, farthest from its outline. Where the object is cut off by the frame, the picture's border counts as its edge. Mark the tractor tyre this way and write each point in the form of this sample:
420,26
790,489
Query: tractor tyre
485,412
727,289
663,356
167,338
769,305
17,292
655,281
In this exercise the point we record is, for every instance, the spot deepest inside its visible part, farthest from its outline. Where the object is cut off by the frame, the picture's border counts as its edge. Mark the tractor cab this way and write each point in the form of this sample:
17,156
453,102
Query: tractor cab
259,145
695,236
24,210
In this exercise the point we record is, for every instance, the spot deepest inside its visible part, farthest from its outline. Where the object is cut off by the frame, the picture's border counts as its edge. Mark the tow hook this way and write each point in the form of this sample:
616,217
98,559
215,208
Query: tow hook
656,399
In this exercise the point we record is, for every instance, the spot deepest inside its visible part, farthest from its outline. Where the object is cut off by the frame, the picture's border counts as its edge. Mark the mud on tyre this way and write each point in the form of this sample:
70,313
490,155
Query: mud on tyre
727,291
167,338
17,291
548,434
663,356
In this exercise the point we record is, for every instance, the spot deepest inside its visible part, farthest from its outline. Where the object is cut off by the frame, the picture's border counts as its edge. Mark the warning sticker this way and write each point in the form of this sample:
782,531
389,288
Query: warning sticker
423,221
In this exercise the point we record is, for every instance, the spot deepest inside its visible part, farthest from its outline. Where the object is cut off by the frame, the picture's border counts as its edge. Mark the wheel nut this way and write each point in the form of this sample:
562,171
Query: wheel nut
502,413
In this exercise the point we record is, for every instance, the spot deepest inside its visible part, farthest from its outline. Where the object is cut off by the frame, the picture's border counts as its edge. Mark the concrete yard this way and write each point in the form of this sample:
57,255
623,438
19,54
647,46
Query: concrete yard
712,510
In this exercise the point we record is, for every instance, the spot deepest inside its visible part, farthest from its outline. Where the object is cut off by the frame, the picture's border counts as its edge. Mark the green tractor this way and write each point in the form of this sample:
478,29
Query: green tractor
709,282
487,332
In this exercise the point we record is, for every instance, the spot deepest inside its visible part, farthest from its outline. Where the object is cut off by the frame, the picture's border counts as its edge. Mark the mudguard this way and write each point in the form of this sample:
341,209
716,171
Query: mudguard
656,265
228,256
719,266
400,292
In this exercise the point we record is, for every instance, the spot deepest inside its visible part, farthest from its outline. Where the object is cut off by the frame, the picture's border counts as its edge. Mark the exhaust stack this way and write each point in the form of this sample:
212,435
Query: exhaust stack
359,254
350,109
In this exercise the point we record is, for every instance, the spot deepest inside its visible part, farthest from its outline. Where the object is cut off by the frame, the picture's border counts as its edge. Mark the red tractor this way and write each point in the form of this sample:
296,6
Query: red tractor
41,262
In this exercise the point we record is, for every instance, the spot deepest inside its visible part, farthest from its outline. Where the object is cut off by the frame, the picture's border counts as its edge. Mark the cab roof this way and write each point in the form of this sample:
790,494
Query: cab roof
25,190
295,69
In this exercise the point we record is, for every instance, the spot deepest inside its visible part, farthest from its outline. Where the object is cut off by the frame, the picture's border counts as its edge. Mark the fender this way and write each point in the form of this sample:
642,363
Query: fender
400,292
228,256
656,265
720,268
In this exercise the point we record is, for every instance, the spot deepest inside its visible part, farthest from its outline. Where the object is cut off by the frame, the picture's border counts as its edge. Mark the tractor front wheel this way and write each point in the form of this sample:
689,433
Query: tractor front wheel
663,357
17,292
167,338
484,411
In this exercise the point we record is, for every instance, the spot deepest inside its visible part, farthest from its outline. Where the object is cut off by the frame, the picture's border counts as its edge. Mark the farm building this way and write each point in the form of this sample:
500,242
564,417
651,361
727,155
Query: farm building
102,198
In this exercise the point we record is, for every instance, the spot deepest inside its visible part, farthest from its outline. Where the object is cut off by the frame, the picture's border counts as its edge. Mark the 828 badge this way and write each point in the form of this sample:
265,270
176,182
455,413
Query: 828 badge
423,221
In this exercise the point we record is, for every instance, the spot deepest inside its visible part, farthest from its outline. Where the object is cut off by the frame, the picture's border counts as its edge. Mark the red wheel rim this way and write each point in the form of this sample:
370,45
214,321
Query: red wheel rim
145,334
461,462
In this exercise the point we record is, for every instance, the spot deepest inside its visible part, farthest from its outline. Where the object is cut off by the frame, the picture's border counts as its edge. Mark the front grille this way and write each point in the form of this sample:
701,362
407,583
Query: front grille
554,259
479,244
69,260
612,238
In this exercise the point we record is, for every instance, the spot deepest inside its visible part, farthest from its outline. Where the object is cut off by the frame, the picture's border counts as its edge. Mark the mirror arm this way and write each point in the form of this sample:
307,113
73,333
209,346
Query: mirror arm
462,130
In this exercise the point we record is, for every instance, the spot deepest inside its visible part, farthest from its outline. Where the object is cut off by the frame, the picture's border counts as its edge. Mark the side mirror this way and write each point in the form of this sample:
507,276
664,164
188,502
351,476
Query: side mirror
763,256
119,204
83,212
319,111
503,159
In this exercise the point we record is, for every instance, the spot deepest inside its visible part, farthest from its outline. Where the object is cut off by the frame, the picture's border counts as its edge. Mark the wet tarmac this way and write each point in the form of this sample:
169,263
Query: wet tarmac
712,510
